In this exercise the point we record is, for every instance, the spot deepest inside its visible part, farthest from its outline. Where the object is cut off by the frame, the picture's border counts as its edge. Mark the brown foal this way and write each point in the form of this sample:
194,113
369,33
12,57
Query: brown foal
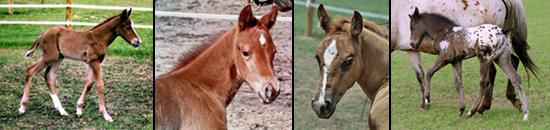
195,94
89,46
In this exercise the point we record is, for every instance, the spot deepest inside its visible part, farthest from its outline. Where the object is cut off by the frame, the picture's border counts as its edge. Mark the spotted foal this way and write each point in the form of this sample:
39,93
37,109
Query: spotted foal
489,43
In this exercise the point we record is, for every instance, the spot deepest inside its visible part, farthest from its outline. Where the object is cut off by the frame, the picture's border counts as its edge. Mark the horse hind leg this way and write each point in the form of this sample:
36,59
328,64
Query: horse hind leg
49,76
31,71
505,63
87,86
510,93
487,96
483,83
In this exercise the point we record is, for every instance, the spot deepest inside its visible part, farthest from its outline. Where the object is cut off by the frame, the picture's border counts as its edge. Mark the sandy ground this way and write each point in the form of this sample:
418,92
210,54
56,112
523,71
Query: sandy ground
175,36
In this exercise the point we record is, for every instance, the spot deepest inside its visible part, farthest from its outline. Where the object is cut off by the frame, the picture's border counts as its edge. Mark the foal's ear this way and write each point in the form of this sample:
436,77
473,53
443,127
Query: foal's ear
415,14
246,18
356,24
324,19
269,19
129,12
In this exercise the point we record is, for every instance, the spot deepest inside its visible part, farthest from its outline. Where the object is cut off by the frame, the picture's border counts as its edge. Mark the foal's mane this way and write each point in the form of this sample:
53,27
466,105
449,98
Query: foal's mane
372,27
105,21
185,59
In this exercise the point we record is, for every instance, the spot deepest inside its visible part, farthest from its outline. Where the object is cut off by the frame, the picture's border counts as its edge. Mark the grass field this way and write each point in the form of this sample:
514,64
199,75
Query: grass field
127,71
443,113
348,112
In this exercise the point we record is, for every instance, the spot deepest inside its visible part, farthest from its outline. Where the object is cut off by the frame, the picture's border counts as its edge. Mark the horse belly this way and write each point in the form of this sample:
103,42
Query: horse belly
469,14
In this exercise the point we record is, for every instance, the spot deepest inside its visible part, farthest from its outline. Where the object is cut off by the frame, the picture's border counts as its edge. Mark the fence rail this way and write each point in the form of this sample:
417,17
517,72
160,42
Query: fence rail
69,13
63,23
209,16
73,6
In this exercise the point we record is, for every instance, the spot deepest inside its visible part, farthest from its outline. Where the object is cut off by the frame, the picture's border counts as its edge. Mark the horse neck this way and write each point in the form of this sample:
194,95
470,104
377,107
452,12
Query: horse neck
214,71
105,33
375,56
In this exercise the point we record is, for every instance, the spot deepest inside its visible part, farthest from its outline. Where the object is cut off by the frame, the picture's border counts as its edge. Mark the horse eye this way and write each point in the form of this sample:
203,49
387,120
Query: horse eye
346,65
246,54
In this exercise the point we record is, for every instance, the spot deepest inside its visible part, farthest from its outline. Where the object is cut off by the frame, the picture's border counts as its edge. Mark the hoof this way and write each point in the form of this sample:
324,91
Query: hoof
525,116
470,114
461,111
21,111
107,118
425,104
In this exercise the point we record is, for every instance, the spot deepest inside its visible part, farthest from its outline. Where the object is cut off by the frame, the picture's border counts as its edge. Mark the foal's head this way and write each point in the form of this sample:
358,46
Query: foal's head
126,30
339,58
254,52
429,25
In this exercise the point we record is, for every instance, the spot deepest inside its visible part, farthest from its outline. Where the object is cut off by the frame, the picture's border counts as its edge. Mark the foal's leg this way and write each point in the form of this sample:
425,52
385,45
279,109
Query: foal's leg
414,57
100,86
49,77
487,95
87,86
439,63
505,63
510,94
33,69
458,82
483,83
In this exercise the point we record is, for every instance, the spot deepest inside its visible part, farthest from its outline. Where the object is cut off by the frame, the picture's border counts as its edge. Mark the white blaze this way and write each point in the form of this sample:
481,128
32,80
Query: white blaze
262,39
328,56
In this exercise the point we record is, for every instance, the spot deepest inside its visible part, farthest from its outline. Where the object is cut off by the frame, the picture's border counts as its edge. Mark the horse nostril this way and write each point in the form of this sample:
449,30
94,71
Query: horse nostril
267,91
327,86
327,104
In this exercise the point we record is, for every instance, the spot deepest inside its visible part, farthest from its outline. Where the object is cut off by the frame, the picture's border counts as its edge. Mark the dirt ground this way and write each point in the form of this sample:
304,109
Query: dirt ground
175,36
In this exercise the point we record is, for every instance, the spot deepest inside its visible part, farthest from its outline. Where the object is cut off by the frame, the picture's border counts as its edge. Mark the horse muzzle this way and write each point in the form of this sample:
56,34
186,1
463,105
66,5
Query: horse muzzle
269,93
136,42
323,109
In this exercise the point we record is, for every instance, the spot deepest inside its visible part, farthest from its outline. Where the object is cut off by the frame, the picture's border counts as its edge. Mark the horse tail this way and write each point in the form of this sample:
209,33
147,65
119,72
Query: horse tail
29,53
521,52
516,24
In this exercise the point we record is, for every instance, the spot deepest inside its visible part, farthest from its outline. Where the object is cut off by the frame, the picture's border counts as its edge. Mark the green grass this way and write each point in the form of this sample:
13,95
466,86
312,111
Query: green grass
22,36
128,94
443,113
127,71
348,112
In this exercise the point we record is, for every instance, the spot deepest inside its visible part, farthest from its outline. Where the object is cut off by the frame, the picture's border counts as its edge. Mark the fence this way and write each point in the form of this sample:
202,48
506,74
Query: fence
69,13
311,5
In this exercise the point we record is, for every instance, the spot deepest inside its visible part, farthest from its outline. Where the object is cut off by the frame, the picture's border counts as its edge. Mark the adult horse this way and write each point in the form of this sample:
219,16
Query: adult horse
196,92
89,46
351,53
508,14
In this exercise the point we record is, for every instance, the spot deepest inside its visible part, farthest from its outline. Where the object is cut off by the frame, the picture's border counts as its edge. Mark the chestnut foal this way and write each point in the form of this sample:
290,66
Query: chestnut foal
195,94
89,46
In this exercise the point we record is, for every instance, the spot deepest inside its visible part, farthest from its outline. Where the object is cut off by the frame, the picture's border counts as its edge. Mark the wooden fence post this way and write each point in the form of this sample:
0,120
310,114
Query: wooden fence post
69,17
41,1
310,10
10,9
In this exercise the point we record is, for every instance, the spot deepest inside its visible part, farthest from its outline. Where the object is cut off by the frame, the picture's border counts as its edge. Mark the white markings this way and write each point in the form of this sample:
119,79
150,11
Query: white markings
328,56
134,30
57,104
444,45
456,29
262,39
